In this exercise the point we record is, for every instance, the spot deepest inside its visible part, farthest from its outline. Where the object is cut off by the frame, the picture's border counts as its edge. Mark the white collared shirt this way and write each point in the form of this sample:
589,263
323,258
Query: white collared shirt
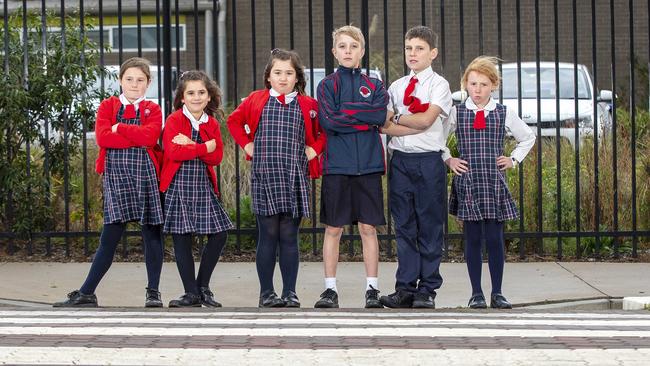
195,123
287,97
126,101
430,88
514,125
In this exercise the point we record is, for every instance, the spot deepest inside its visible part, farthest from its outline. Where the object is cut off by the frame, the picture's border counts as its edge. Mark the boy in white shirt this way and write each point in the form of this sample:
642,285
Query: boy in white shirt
418,104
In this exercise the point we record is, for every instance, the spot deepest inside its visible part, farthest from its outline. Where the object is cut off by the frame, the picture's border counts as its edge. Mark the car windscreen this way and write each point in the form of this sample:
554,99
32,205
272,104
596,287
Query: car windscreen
547,84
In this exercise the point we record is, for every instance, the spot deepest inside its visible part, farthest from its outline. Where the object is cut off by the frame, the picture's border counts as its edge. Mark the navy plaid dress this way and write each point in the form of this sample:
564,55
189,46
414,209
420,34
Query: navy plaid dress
482,193
130,184
191,205
279,181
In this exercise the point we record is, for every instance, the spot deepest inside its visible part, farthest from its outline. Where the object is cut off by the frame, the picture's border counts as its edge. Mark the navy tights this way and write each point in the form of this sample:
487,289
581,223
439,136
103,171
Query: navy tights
111,235
209,258
492,231
277,231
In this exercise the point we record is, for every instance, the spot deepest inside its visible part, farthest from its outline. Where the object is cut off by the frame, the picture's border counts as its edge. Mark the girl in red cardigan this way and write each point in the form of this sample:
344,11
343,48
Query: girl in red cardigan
278,129
127,131
192,148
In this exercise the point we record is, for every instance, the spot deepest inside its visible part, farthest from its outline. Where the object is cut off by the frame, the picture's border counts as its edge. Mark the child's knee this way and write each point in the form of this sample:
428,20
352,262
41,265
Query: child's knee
367,230
333,231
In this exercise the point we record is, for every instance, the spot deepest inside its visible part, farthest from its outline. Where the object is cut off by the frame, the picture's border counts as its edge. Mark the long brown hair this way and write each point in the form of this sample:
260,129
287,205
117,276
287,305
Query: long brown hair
296,63
214,105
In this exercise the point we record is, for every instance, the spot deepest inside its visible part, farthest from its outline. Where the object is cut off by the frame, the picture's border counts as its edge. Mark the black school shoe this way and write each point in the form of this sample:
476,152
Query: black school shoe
207,298
152,299
498,301
423,301
372,299
187,300
477,302
270,300
77,300
328,299
398,299
291,300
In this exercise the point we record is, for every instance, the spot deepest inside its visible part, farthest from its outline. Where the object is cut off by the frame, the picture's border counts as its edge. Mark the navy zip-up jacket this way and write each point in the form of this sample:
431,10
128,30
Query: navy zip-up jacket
351,108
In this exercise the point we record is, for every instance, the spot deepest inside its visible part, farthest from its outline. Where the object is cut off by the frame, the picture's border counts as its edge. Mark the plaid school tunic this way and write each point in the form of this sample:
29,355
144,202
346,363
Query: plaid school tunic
279,182
482,193
191,205
130,184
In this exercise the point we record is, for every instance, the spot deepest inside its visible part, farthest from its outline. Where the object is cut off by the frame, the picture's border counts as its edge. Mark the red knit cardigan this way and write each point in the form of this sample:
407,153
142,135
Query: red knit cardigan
249,112
144,135
174,155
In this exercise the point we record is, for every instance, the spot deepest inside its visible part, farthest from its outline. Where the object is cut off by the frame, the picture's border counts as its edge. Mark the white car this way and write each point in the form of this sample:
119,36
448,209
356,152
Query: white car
319,74
547,99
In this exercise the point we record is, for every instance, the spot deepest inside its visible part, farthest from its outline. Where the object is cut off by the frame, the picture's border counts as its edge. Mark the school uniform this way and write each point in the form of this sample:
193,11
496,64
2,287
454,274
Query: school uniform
352,107
280,126
418,183
480,197
129,165
191,202
188,177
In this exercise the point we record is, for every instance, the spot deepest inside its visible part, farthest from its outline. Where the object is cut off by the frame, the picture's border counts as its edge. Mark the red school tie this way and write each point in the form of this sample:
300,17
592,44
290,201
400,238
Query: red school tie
129,112
413,102
479,120
280,99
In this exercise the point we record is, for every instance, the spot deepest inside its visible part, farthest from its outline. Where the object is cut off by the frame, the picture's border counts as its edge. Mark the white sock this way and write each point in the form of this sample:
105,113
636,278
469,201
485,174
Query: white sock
330,282
371,281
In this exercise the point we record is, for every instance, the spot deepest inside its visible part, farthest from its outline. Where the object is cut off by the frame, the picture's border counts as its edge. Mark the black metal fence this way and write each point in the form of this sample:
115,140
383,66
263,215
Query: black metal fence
590,197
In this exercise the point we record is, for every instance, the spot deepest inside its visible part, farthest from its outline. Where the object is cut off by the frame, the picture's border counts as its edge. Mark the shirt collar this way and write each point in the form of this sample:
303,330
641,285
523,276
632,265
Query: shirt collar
288,98
126,101
422,75
490,106
195,123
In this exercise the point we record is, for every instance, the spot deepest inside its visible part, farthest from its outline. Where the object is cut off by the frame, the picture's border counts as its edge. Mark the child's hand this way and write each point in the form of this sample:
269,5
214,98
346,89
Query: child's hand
114,128
457,165
249,149
310,152
504,162
181,139
211,145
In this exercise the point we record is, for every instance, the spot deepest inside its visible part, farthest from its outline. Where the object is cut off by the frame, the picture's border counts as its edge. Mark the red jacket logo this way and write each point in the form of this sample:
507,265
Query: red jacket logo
364,91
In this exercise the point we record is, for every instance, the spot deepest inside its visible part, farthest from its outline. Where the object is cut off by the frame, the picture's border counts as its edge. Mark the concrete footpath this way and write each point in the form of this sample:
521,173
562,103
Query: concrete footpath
236,284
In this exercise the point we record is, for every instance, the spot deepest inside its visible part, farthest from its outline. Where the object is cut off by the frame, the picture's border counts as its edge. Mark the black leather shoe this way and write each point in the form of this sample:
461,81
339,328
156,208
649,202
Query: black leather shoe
187,300
372,299
423,301
477,302
498,301
270,300
328,299
77,300
291,300
152,300
207,298
398,299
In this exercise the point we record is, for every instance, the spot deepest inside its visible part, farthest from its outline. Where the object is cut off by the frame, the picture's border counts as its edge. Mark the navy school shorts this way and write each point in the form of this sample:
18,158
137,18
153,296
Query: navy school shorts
350,199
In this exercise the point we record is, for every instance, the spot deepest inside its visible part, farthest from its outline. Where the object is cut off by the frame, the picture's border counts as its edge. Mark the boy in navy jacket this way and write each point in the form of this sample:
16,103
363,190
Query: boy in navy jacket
352,107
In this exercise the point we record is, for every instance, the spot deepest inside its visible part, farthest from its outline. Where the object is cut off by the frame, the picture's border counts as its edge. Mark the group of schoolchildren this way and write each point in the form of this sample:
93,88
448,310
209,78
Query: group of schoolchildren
290,138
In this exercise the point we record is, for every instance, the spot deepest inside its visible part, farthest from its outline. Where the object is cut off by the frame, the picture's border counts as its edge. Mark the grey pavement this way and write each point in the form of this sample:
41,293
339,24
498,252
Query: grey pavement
236,284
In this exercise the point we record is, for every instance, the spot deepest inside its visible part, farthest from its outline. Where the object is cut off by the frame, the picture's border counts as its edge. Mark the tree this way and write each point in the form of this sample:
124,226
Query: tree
44,106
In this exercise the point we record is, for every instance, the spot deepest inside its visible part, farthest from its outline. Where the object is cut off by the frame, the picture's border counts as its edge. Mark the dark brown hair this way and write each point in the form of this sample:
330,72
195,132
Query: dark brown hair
214,105
424,33
137,62
296,63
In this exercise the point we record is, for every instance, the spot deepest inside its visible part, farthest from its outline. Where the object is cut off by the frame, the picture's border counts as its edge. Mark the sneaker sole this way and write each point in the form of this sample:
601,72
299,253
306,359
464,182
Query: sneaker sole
328,306
76,306
423,306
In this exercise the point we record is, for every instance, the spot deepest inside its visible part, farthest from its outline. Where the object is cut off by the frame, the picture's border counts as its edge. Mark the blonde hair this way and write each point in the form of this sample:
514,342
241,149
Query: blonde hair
485,65
351,31
137,62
